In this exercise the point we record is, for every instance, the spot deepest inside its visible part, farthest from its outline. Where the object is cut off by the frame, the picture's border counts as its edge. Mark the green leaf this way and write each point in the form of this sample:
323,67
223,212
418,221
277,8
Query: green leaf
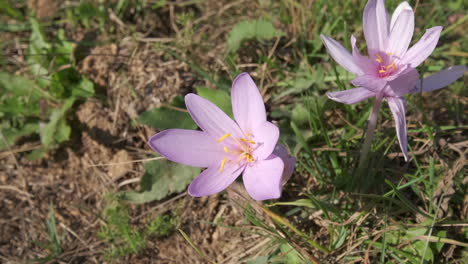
166,117
12,134
259,260
300,115
439,245
290,254
260,29
63,131
421,248
55,129
85,88
20,86
161,179
38,50
38,44
218,97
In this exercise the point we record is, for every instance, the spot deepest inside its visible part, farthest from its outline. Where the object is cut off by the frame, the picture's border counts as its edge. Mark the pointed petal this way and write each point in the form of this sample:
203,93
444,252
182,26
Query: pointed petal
423,48
370,82
401,85
266,135
398,108
263,179
376,25
401,34
400,8
363,62
212,181
440,79
341,55
288,161
247,103
210,118
351,96
189,147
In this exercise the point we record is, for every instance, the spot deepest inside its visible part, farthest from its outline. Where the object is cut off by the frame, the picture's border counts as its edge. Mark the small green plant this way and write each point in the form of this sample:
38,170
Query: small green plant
54,245
38,104
162,226
123,238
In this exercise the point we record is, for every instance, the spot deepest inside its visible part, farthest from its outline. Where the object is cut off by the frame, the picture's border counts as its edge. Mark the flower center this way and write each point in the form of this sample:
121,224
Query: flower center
386,66
241,149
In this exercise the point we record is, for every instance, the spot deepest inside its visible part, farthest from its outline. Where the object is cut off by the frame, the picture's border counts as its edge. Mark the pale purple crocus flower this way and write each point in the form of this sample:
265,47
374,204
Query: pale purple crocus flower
228,148
389,69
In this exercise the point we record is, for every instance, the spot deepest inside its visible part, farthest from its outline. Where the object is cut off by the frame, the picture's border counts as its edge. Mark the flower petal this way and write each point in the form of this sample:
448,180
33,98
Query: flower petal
288,161
400,8
423,48
351,96
263,179
210,118
341,55
266,135
401,34
212,181
189,147
363,62
398,108
370,82
247,103
376,24
401,85
440,79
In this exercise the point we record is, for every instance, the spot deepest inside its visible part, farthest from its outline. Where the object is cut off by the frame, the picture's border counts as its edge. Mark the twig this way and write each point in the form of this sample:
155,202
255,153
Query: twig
124,162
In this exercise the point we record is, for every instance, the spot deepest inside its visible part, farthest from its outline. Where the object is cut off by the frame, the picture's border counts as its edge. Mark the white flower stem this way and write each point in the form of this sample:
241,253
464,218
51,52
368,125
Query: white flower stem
371,123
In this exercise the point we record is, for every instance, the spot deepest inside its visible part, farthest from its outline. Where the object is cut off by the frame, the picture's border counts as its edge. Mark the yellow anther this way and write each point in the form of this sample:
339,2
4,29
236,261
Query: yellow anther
221,168
248,134
223,137
247,140
389,53
382,71
379,59
226,150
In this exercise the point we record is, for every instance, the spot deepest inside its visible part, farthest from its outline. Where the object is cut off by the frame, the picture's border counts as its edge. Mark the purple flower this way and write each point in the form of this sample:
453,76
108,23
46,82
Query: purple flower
228,148
389,70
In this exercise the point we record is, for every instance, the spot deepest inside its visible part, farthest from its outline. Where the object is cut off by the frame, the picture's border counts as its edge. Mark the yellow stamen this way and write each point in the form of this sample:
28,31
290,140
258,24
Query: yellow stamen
223,137
391,66
226,150
382,71
222,165
389,53
247,140
379,59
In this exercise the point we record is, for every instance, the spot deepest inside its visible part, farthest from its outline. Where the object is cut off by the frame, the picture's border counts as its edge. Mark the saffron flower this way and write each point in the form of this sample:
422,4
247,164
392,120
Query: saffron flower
228,148
389,69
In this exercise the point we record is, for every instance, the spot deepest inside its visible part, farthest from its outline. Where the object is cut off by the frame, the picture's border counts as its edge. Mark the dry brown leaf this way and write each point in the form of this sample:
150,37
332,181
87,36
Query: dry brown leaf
119,165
